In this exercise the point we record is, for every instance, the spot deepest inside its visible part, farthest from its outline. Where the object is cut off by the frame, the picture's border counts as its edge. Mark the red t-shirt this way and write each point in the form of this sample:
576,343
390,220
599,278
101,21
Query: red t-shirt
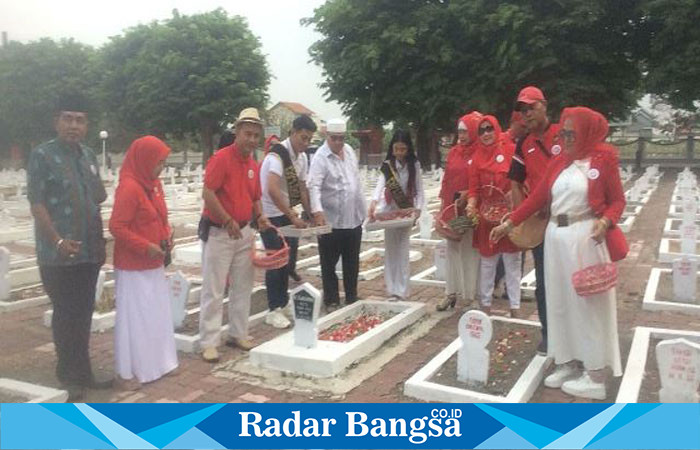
532,156
236,182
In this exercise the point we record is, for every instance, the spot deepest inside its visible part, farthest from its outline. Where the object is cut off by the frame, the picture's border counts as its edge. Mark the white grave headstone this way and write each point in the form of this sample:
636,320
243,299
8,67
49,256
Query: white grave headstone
679,370
426,224
441,260
689,233
99,287
690,209
4,267
475,331
179,291
306,307
685,272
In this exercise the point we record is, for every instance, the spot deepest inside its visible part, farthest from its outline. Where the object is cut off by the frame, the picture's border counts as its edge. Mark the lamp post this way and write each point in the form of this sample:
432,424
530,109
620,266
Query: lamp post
104,135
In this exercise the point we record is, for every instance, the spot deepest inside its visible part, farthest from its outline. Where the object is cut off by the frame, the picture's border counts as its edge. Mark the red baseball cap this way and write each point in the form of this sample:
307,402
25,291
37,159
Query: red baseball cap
529,95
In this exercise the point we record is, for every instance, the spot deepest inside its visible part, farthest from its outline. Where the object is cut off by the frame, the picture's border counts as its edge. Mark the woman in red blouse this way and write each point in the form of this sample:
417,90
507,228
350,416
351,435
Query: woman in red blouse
584,193
462,258
488,178
144,348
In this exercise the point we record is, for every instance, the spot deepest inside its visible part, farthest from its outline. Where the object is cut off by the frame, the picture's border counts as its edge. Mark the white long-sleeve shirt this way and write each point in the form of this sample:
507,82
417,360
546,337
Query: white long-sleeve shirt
402,173
334,188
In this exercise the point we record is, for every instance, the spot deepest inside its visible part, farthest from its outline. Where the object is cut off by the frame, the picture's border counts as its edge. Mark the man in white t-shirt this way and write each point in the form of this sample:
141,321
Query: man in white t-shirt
283,179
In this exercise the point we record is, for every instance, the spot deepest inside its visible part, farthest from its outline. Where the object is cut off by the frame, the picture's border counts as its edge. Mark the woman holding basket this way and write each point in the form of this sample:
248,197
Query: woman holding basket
462,258
584,192
399,187
489,199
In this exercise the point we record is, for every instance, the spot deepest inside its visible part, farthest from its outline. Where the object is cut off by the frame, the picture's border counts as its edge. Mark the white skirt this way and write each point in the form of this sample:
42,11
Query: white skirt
144,341
579,328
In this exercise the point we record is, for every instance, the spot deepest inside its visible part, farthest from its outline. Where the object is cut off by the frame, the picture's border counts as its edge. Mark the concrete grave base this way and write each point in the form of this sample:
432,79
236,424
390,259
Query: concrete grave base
667,256
672,227
419,387
637,359
34,393
651,304
676,212
330,358
427,278
415,239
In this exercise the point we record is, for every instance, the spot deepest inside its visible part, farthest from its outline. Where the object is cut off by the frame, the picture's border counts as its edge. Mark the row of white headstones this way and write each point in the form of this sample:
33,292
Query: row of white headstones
685,268
679,359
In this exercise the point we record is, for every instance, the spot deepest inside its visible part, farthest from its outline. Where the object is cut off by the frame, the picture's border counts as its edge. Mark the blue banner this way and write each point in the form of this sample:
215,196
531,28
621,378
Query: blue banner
348,425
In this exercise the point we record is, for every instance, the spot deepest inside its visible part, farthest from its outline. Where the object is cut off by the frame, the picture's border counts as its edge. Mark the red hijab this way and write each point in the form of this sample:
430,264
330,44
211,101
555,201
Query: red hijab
501,145
590,128
268,142
142,157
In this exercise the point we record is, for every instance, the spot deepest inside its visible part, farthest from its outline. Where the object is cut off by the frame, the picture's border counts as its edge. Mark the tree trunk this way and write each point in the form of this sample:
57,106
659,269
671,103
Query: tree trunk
424,145
206,132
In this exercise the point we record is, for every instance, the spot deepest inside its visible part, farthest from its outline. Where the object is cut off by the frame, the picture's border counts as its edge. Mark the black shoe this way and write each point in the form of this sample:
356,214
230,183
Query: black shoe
76,394
104,384
542,348
295,276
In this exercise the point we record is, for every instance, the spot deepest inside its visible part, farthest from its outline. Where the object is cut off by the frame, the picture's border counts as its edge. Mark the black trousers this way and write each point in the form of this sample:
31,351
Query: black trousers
343,243
540,295
277,281
72,293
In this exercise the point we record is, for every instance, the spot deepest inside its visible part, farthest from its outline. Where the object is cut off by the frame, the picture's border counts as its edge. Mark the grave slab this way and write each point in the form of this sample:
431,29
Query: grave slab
670,250
633,377
330,358
418,386
34,393
651,302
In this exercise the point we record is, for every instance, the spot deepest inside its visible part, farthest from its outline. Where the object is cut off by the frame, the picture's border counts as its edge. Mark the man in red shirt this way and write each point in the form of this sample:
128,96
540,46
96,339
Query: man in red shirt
231,196
532,156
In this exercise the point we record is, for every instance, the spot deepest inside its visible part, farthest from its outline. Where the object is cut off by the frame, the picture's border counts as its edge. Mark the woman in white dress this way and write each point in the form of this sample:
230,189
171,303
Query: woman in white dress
583,190
404,189
144,343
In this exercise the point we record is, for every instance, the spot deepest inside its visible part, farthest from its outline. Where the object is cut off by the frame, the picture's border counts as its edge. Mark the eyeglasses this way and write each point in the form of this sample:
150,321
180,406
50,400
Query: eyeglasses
337,137
484,130
567,135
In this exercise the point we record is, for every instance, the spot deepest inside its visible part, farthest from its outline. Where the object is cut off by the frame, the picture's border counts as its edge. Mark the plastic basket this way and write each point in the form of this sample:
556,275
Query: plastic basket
494,204
271,259
596,278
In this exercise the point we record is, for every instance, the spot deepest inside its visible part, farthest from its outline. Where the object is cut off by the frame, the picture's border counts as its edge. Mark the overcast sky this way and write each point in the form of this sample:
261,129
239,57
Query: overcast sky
276,22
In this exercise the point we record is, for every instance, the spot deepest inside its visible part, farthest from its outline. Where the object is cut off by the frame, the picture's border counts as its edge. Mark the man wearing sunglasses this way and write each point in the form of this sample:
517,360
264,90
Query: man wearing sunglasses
532,156
337,199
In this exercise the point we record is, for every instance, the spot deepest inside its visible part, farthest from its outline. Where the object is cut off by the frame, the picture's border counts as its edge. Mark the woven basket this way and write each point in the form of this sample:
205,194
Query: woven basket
270,259
451,225
595,279
494,204
395,214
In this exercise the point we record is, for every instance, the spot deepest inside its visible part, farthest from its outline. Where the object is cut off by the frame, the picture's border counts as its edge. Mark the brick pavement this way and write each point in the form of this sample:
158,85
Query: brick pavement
27,352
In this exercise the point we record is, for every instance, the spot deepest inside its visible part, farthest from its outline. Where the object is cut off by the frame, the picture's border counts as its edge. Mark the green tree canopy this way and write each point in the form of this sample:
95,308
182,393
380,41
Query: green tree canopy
427,62
189,74
672,50
32,78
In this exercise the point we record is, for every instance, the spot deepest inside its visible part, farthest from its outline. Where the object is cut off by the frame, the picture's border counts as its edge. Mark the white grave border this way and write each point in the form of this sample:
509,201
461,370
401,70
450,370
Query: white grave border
418,386
650,303
637,359
34,393
667,256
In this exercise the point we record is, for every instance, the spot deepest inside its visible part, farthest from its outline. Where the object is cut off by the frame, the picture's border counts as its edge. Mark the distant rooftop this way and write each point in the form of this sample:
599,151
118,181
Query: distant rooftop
296,108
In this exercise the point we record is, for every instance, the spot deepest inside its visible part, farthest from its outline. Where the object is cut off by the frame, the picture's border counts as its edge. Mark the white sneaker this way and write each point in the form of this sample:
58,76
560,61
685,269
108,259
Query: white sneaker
277,319
585,387
563,372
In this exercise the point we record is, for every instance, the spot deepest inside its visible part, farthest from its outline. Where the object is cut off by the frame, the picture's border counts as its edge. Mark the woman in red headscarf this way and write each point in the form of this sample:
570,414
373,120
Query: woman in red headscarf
583,190
144,348
462,259
489,182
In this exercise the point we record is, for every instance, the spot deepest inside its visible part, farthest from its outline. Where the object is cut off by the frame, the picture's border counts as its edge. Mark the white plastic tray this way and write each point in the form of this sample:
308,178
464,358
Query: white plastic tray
393,223
294,232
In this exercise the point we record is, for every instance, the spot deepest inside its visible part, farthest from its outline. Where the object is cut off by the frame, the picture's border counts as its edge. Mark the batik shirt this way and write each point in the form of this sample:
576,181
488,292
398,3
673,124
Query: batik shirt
67,182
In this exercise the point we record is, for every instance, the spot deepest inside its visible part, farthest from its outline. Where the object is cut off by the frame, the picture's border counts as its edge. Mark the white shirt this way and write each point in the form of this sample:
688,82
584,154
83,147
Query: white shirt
334,188
273,164
402,173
